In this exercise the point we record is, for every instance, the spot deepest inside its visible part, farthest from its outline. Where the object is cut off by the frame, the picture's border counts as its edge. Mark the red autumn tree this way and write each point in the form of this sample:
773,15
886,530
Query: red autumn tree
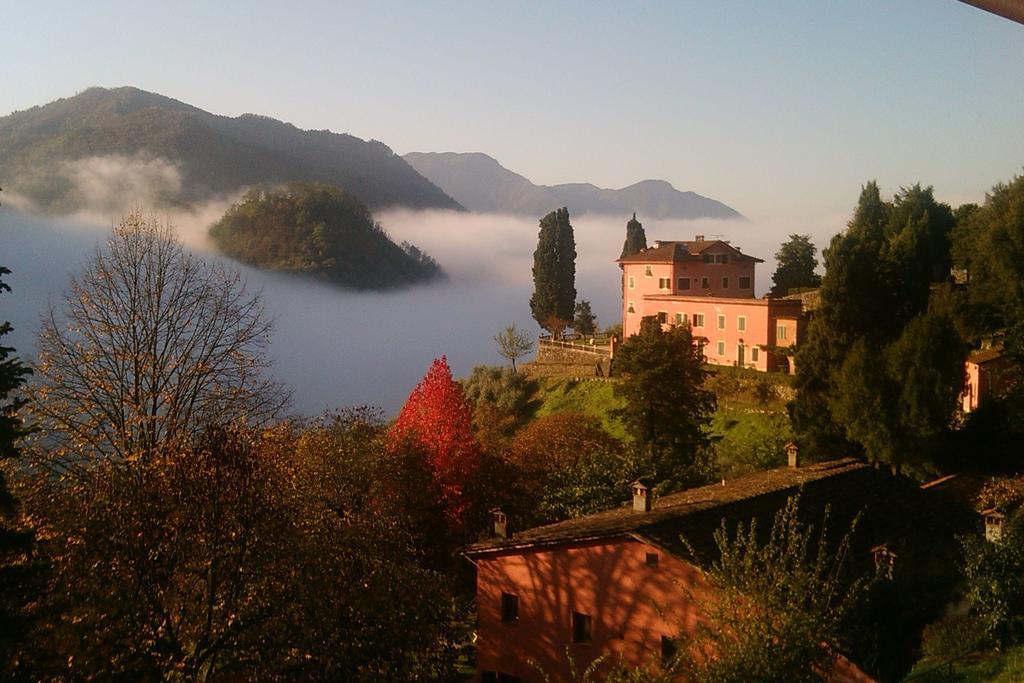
437,419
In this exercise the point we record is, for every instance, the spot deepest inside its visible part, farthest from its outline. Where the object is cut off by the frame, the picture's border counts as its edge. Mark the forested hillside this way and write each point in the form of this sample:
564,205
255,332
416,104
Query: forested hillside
42,149
319,230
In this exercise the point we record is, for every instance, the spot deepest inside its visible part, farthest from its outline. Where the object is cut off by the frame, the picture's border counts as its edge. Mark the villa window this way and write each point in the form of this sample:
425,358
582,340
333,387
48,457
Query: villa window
662,317
754,353
741,323
648,271
698,320
721,348
632,282
581,627
705,283
630,308
651,559
780,333
665,283
684,283
721,321
708,258
745,282
721,258
509,608
680,318
725,283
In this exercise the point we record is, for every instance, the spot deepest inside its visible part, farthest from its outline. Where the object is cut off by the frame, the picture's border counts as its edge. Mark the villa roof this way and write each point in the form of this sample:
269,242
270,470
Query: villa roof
846,486
679,251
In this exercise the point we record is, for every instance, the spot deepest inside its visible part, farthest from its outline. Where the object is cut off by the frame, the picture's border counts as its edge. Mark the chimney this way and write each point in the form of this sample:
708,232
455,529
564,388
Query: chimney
793,455
641,496
499,523
699,238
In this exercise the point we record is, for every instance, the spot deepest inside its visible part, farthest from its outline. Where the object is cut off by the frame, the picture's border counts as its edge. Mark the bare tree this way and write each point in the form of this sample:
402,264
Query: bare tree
513,344
152,343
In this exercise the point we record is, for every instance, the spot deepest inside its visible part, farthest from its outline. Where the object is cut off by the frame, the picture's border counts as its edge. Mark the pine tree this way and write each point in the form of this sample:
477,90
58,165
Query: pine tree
636,239
16,572
554,270
437,419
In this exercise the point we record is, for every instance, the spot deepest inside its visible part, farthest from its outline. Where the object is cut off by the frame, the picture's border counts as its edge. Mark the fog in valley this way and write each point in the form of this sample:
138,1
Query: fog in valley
335,347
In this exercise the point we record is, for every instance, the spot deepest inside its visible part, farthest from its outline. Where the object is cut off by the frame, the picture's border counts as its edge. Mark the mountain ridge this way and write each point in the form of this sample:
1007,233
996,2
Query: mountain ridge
215,155
480,183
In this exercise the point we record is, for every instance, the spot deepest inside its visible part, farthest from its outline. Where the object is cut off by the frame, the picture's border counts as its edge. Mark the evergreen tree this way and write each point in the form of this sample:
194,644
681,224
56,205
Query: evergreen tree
585,322
667,409
877,370
15,570
554,271
796,264
636,239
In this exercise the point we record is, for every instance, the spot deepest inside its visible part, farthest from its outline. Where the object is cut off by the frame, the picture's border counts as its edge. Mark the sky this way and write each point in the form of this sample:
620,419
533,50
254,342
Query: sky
780,109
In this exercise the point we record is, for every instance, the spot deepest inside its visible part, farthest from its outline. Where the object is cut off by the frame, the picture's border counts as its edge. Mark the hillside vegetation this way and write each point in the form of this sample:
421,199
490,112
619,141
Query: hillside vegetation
42,150
322,231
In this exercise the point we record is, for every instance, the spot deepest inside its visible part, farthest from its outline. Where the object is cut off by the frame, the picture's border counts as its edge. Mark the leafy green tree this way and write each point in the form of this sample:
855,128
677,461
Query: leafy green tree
989,243
796,264
554,270
781,604
636,239
566,465
513,344
667,409
585,322
854,388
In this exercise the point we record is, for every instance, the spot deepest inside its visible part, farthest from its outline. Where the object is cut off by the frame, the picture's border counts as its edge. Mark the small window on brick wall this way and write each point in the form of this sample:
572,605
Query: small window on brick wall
669,648
665,283
651,559
581,627
684,283
744,282
509,608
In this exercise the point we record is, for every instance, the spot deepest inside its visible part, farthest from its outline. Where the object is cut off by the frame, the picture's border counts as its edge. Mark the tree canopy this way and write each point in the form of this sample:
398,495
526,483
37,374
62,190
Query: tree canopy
881,365
437,419
667,408
796,264
319,230
554,271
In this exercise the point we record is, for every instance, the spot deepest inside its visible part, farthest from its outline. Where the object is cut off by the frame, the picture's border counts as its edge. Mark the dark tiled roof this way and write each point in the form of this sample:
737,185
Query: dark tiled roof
985,355
674,252
894,509
810,300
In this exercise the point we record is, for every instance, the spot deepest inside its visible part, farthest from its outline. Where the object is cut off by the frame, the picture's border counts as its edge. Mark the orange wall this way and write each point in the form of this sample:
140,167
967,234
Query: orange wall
608,580
762,319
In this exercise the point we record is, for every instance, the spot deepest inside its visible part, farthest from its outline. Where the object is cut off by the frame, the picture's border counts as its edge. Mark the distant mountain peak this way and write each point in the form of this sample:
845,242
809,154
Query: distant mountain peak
480,183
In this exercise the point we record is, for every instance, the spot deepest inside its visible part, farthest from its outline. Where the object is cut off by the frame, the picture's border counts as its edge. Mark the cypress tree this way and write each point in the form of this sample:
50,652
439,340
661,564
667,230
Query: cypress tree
636,238
554,270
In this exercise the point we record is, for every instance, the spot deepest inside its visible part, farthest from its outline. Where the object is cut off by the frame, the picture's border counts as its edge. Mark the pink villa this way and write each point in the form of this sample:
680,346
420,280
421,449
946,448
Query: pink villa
709,285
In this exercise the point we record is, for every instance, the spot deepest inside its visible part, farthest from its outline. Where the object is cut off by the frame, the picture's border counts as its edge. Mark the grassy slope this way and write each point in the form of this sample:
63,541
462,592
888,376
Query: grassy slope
749,433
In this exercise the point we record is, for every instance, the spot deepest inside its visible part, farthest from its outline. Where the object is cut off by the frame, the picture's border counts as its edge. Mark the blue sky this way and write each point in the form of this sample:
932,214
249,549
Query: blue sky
780,109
